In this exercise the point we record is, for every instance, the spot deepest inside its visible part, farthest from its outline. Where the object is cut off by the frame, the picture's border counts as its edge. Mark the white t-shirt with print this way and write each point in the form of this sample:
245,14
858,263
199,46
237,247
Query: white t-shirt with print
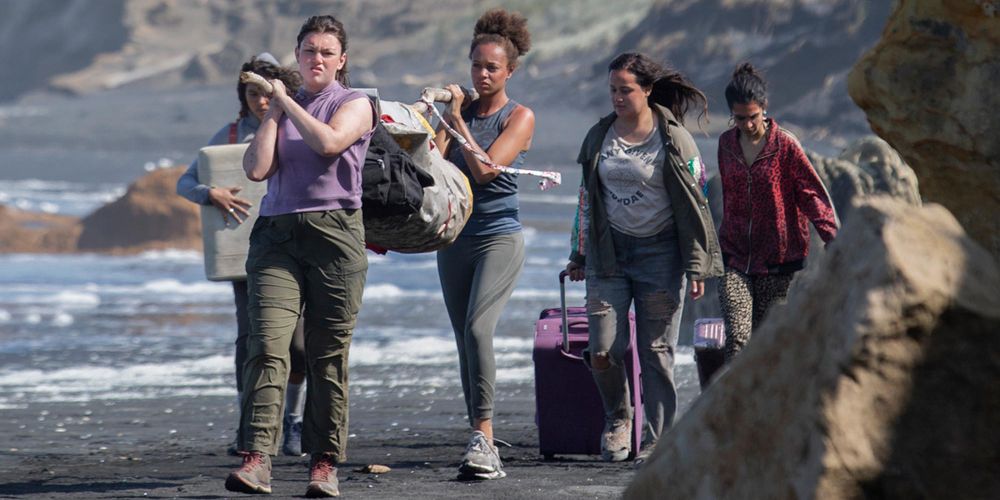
632,184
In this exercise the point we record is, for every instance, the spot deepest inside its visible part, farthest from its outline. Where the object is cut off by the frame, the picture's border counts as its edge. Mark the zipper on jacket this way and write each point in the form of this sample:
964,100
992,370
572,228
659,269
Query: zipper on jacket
749,218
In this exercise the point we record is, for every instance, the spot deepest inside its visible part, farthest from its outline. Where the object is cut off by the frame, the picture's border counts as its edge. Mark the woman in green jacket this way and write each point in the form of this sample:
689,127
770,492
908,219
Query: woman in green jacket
643,230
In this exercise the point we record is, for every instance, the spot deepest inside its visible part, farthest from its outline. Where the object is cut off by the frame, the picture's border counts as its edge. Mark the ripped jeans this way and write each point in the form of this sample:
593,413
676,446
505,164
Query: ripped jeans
649,272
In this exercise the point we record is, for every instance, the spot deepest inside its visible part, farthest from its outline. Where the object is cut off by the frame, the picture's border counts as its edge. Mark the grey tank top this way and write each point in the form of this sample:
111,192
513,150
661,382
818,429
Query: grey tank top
494,205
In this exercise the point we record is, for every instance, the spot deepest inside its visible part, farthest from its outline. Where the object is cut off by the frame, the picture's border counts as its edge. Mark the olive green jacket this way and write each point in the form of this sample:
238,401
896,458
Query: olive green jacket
696,237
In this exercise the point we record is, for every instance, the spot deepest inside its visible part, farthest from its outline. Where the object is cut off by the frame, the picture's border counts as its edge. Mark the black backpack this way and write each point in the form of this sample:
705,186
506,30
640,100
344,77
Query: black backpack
391,184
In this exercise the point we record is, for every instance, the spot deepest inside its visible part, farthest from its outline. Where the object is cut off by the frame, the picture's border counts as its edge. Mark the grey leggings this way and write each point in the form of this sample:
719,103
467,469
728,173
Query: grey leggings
477,275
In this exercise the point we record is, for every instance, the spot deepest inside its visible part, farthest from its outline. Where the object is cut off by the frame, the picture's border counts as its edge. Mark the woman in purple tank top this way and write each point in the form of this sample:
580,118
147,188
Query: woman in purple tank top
307,248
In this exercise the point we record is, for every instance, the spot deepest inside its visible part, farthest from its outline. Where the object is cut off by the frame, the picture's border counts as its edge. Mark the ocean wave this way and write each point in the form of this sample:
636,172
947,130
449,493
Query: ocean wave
387,291
552,199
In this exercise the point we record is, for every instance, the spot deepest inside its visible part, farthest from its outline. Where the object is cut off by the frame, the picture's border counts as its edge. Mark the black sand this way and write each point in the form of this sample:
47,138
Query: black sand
175,448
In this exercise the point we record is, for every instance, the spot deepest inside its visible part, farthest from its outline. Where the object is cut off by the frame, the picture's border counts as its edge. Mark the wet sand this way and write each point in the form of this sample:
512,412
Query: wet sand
175,448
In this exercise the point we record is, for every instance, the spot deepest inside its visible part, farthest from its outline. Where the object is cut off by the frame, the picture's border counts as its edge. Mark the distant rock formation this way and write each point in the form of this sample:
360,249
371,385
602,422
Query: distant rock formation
804,47
877,380
929,88
149,216
34,232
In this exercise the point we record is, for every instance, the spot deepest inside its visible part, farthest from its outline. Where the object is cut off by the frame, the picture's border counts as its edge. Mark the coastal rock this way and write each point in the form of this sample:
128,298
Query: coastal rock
149,216
929,89
869,166
876,380
34,232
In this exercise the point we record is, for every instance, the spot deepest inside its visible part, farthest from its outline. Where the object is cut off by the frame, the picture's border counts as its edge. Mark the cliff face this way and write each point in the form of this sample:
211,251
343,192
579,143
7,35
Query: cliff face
805,46
929,88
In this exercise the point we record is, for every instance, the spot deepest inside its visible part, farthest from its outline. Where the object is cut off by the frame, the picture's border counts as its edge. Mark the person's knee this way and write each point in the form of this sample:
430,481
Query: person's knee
600,361
660,305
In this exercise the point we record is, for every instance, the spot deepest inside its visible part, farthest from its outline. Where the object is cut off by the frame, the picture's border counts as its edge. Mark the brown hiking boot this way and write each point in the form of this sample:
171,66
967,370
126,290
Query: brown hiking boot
254,476
323,476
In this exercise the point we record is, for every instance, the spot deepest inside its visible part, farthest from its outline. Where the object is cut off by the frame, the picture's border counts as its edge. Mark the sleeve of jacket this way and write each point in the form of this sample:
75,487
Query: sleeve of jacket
188,184
811,195
581,219
697,238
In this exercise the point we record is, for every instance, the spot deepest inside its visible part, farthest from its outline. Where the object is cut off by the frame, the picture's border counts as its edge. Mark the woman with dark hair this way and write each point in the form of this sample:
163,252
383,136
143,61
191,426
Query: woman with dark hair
478,271
643,229
770,193
253,106
307,248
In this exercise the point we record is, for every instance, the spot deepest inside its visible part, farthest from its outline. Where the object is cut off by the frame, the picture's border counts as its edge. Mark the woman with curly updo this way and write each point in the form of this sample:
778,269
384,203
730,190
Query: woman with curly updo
479,270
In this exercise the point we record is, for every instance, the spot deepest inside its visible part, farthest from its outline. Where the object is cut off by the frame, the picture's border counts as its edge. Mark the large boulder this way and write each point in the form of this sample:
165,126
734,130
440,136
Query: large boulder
149,216
878,379
929,88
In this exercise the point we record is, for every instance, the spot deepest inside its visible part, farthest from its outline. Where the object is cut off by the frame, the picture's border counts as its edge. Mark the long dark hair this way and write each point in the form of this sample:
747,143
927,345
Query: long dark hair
669,88
290,78
747,86
327,24
506,29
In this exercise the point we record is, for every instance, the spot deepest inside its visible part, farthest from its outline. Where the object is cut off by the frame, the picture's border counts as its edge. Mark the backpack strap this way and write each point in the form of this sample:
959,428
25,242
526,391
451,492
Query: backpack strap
232,132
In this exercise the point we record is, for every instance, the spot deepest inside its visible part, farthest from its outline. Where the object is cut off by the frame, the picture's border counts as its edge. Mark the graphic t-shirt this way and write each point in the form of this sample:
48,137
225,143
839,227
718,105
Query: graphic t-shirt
632,184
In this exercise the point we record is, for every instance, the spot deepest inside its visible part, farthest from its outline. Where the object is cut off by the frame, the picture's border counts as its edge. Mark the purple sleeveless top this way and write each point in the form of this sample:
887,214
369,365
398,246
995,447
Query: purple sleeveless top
307,181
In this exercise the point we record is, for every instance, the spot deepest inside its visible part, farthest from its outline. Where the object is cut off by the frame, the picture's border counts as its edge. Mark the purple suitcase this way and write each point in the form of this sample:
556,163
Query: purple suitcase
569,412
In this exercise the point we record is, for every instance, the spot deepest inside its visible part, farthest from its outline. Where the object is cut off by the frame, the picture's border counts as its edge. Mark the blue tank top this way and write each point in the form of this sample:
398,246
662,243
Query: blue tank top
494,205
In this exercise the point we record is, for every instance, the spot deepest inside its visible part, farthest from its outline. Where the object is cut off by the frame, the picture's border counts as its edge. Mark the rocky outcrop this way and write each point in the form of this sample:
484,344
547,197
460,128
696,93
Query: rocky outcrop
34,232
149,216
929,88
877,379
868,167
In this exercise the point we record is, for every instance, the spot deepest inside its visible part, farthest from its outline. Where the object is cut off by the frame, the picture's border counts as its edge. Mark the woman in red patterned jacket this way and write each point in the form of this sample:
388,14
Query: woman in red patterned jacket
770,194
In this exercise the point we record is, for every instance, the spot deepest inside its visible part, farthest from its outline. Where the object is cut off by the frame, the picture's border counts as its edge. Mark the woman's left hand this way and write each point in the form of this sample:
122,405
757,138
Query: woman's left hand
697,289
457,102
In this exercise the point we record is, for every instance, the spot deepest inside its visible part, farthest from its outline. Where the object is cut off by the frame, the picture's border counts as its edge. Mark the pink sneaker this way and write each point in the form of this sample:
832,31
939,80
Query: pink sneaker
254,476
323,476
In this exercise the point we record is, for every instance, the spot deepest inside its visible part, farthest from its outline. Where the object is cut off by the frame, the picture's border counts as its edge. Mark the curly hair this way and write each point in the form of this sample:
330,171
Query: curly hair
670,88
290,78
506,29
746,87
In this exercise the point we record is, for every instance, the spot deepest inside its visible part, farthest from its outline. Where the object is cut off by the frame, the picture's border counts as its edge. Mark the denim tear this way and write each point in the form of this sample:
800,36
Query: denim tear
660,305
598,307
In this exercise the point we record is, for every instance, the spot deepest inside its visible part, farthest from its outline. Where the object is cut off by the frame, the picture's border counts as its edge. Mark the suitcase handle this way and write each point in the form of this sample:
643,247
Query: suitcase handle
566,352
562,311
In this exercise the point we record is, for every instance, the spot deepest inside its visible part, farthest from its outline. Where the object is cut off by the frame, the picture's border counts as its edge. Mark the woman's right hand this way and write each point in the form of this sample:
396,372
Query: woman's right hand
278,97
229,204
575,271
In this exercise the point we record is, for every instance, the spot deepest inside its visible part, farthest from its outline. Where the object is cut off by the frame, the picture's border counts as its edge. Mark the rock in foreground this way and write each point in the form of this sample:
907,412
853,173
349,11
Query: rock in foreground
929,88
877,380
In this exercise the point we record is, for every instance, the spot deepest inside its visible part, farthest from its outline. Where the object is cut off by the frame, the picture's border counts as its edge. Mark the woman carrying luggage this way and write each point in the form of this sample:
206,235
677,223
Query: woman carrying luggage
307,248
478,271
770,193
643,229
233,208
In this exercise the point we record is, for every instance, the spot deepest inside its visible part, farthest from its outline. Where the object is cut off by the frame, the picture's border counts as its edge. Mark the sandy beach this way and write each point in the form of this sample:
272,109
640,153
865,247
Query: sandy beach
175,448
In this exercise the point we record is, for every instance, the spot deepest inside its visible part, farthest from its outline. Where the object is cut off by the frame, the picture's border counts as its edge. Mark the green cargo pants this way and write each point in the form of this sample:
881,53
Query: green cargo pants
316,259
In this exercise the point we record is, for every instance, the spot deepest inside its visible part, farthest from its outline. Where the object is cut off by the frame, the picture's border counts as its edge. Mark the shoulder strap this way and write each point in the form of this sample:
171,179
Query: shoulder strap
232,132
